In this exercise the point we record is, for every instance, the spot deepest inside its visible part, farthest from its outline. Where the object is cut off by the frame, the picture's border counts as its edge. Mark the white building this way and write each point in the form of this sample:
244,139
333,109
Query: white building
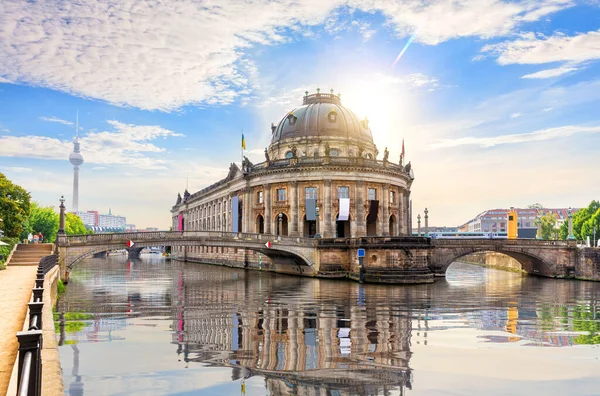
111,221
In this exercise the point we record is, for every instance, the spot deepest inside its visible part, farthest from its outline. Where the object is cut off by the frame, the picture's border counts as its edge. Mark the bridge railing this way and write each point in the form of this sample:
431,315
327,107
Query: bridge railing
178,235
508,242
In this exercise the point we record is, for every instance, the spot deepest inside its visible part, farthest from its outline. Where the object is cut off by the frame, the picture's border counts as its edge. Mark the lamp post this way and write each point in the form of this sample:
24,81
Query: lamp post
594,236
280,222
539,226
570,213
426,222
61,226
317,235
419,224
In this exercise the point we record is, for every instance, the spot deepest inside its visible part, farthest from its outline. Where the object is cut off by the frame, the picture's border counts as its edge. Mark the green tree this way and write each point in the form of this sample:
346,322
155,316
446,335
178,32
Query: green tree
42,219
583,215
74,225
563,231
587,229
548,225
14,207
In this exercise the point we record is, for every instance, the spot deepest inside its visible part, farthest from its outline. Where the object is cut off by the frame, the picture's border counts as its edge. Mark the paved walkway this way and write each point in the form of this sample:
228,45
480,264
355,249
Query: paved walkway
15,292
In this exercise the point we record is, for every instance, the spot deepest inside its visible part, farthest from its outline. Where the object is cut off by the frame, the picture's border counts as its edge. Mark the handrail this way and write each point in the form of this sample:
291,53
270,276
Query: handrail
30,341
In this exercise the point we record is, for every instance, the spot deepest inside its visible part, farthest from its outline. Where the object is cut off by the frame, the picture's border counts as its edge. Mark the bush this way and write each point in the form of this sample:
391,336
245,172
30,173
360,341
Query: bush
5,250
60,287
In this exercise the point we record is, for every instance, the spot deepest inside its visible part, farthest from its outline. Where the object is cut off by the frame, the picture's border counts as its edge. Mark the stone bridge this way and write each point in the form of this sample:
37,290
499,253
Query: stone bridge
388,259
75,248
555,259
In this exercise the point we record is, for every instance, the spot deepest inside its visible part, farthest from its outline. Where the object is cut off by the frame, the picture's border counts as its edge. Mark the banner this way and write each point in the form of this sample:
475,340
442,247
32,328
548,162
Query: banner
180,222
235,214
311,209
372,217
344,209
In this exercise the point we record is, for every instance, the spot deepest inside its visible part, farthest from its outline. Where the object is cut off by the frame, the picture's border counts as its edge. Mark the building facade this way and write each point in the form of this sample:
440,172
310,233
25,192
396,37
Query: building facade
320,177
495,220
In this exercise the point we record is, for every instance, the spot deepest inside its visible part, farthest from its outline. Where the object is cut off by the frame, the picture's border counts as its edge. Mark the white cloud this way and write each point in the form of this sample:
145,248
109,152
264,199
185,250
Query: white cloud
4,80
17,169
173,54
438,21
534,49
55,119
125,144
543,134
515,115
548,73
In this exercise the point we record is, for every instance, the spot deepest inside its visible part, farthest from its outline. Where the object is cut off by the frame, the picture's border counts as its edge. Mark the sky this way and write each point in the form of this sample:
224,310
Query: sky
498,102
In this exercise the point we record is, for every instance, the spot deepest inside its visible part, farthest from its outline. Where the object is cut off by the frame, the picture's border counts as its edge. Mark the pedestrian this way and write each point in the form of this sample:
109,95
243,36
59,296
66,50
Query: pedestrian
35,238
29,238
40,237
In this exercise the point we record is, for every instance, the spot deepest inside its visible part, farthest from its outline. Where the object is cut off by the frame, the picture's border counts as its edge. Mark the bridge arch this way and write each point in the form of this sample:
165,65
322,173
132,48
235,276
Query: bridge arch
531,263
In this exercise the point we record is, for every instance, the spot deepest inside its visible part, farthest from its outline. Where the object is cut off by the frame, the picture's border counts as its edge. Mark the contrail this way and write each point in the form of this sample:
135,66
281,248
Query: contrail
410,40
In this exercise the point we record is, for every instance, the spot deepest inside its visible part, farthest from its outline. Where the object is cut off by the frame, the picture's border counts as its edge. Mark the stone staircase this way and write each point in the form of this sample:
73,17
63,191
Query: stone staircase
30,254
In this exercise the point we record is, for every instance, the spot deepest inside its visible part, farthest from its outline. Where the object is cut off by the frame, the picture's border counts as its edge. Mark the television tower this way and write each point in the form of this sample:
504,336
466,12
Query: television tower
76,159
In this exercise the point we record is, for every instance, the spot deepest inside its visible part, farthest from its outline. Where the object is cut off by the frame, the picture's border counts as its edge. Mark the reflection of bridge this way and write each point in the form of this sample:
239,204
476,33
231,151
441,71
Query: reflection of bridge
387,259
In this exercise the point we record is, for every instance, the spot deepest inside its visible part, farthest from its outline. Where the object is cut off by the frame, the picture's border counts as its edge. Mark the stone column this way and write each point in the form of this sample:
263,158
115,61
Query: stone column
267,196
385,210
359,202
401,214
247,208
570,214
326,214
293,220
61,226
426,222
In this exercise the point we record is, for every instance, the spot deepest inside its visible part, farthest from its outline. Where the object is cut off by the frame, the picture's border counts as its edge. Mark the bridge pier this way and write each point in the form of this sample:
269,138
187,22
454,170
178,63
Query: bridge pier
134,253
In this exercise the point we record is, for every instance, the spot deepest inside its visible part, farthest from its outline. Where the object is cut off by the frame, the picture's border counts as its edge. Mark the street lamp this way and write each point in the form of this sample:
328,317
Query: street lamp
570,213
426,222
419,224
280,220
539,226
61,226
317,235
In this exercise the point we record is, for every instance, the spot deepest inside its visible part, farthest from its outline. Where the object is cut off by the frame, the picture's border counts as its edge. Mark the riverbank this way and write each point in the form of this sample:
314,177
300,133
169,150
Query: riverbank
52,383
493,260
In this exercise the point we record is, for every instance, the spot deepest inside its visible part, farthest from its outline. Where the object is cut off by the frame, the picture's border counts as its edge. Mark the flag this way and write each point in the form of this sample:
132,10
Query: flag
243,142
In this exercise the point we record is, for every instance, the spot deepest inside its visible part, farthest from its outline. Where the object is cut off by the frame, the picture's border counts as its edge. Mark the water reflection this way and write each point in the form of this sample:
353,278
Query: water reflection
298,336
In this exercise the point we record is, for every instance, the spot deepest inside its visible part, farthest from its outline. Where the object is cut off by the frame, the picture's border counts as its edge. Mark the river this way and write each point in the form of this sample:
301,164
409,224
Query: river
156,327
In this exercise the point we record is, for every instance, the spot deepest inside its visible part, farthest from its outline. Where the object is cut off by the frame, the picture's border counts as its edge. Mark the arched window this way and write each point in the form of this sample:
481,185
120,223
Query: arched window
369,156
289,155
292,119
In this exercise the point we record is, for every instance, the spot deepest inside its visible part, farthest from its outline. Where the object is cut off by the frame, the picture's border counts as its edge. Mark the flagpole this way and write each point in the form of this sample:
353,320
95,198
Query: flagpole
242,151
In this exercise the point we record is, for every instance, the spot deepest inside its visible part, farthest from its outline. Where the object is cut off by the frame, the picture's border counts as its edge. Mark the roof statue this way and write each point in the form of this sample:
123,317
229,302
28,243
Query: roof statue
401,159
407,168
186,195
246,164
386,154
327,149
294,151
267,159
178,199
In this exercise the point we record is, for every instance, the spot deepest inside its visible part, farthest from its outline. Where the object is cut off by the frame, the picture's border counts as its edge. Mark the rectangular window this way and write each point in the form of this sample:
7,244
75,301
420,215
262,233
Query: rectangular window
392,197
502,225
281,194
259,197
372,194
310,193
528,224
343,192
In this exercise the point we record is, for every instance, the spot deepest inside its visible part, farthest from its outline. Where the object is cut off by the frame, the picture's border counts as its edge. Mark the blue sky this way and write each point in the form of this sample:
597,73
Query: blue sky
497,100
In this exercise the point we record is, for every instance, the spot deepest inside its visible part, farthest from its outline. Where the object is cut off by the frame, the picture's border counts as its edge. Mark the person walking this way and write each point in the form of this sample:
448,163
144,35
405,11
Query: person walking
35,238
40,237
29,238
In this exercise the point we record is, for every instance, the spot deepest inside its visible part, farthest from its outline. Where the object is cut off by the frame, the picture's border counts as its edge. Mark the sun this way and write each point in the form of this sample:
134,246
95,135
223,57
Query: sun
382,103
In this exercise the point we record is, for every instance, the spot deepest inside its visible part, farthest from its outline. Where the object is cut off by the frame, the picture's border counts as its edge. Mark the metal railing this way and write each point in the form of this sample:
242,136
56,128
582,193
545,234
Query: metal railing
29,380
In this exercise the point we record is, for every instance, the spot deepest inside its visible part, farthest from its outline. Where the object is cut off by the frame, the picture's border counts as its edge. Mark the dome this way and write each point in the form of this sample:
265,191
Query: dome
321,115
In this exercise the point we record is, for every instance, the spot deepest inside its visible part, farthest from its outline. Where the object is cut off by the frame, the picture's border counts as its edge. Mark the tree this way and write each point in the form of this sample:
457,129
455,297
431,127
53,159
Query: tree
42,219
563,231
587,229
14,207
548,223
535,206
74,225
582,216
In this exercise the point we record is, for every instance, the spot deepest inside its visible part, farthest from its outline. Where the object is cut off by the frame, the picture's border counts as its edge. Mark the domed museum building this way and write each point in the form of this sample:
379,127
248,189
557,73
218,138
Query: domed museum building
320,178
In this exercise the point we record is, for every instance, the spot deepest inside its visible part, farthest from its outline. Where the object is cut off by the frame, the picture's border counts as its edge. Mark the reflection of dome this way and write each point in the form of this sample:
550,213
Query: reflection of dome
322,115
76,158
